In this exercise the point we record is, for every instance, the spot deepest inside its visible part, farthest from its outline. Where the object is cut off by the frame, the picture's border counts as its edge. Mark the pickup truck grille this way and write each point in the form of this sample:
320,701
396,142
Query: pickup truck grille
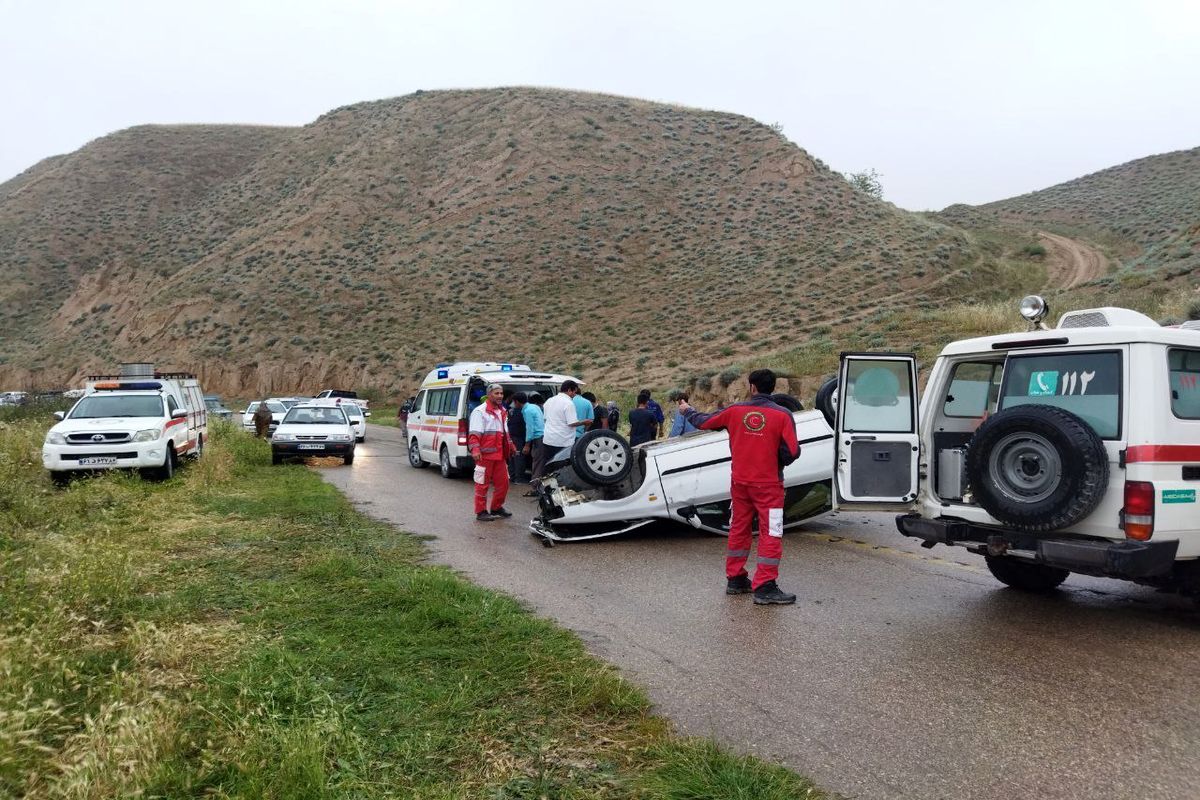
90,438
77,456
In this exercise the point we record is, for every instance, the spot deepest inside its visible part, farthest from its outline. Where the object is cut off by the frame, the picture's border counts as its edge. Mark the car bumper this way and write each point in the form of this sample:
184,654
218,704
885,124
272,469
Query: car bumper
1116,559
299,449
69,458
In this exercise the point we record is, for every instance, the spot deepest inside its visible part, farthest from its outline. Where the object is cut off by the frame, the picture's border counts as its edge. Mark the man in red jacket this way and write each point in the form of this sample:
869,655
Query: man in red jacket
762,440
491,447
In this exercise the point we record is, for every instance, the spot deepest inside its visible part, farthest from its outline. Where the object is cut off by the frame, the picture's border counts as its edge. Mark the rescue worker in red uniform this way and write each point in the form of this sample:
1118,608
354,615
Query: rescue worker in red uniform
762,440
491,447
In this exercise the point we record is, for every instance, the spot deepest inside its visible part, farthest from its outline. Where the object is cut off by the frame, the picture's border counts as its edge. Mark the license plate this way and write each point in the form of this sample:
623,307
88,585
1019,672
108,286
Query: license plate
310,447
98,461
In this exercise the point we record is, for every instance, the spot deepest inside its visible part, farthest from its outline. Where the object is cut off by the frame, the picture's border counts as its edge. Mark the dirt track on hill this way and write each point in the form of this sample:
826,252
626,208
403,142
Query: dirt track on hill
1070,262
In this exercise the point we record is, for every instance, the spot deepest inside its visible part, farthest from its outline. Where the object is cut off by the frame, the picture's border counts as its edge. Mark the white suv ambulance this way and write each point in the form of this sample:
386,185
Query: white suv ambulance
140,418
437,422
1072,449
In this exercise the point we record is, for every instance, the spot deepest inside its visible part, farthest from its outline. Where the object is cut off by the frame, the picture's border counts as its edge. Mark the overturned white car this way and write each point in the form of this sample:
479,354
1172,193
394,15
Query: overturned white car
608,487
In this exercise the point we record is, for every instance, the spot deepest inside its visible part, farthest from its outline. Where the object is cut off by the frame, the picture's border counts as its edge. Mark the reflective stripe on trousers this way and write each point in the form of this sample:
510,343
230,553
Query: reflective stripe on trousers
748,502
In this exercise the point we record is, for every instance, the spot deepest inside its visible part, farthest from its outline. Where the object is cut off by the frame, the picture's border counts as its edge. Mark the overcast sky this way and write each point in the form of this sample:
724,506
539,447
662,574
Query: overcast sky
955,101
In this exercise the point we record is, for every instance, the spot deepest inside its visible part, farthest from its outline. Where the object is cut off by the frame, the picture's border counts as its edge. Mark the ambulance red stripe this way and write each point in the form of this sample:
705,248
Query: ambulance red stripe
1162,454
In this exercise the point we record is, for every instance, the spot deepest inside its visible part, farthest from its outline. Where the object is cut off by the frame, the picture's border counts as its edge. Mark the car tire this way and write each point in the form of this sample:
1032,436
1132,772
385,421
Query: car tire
167,470
348,459
602,457
826,400
1025,575
788,401
60,479
1037,468
199,453
414,456
447,470
276,459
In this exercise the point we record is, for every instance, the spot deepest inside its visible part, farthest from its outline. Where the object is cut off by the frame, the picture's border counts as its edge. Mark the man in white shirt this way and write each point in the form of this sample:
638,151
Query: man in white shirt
561,422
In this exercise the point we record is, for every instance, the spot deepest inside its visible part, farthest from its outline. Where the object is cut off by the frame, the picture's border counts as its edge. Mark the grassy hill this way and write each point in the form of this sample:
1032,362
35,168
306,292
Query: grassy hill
620,239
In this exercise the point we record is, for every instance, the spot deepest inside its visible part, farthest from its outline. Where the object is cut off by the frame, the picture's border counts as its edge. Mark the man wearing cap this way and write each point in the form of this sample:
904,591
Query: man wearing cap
762,441
491,447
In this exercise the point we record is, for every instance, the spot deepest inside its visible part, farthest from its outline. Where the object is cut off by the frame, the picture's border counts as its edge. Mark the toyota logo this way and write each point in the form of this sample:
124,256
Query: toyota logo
99,437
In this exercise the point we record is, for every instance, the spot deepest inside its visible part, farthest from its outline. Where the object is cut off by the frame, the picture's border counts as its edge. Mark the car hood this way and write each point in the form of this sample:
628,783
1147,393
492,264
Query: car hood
312,430
114,424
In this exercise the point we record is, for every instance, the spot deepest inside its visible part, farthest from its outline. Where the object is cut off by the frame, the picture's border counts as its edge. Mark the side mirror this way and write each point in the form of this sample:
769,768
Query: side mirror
60,415
366,413
179,413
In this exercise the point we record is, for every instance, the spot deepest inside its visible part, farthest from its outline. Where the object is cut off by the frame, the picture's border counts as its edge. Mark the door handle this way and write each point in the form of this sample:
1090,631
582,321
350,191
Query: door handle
862,438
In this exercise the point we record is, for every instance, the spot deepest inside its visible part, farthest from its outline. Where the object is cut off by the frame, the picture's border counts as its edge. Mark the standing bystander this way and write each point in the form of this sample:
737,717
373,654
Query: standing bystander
490,446
262,420
762,440
655,409
535,426
518,431
562,420
642,427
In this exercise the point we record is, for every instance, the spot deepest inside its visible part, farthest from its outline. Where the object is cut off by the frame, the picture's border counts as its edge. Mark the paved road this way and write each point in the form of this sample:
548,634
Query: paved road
901,672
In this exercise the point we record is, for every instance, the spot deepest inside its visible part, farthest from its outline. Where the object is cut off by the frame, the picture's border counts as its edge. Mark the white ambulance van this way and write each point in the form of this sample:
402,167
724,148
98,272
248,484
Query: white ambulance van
139,419
437,423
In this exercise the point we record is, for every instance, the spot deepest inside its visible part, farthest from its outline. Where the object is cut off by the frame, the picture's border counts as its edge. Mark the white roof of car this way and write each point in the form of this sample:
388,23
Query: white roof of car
1091,327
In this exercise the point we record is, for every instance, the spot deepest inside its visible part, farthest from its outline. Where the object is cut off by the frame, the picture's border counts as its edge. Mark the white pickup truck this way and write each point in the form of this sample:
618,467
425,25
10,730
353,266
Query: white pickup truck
139,419
343,394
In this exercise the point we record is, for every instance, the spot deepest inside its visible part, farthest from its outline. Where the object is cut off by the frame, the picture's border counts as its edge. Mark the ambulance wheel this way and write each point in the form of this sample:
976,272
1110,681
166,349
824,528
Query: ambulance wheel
1025,575
602,457
1037,468
447,470
199,453
414,456
826,400
61,479
167,470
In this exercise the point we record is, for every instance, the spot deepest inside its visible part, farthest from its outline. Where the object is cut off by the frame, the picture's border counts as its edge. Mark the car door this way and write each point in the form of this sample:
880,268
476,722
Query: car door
417,417
877,436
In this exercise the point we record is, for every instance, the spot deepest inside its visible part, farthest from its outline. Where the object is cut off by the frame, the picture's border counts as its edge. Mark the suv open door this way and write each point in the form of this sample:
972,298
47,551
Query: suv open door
877,442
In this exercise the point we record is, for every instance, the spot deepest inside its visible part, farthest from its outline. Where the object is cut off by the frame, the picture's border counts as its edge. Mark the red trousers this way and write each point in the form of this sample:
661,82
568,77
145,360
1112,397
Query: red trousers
495,478
765,502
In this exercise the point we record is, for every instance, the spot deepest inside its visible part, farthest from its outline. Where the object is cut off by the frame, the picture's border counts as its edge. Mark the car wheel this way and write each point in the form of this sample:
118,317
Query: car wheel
1037,468
414,456
167,470
276,459
602,457
199,448
826,400
448,471
61,479
1025,575
787,401
349,457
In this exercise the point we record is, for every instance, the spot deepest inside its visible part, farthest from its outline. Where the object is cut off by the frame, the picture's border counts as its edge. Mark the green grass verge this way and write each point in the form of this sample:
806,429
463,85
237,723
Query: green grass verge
241,631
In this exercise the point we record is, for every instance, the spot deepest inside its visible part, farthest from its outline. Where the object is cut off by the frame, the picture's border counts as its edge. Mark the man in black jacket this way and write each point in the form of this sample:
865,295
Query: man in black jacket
516,431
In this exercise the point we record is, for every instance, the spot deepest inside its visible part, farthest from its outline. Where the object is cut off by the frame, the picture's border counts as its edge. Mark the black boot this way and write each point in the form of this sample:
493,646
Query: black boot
770,594
501,512
484,516
738,585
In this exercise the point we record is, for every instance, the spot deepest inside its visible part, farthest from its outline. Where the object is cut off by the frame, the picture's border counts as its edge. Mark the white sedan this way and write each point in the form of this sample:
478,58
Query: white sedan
609,488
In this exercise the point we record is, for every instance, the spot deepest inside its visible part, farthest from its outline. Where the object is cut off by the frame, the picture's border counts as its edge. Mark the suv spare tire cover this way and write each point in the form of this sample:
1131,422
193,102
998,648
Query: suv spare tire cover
602,457
1037,468
825,400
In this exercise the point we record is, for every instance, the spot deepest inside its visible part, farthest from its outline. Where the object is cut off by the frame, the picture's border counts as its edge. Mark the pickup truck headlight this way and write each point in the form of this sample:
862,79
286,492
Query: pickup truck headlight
339,437
283,437
147,435
54,437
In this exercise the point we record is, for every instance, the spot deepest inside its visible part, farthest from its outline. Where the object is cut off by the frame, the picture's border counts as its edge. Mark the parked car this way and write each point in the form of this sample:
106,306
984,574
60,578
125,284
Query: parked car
216,407
278,410
313,429
1069,449
344,394
608,487
358,419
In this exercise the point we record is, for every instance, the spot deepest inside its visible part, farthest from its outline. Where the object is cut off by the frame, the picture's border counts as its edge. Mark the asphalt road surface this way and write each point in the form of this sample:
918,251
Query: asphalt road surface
899,673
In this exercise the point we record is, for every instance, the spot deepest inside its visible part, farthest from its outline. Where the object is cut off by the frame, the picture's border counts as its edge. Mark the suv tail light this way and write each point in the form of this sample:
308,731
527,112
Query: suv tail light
1137,517
462,432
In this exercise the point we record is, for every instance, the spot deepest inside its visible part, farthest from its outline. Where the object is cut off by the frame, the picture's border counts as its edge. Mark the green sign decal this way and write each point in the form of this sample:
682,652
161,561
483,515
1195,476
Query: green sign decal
1043,384
1179,495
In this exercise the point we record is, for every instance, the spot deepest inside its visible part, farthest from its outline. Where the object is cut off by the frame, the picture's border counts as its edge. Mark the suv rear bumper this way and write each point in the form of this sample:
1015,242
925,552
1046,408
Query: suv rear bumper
1114,559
